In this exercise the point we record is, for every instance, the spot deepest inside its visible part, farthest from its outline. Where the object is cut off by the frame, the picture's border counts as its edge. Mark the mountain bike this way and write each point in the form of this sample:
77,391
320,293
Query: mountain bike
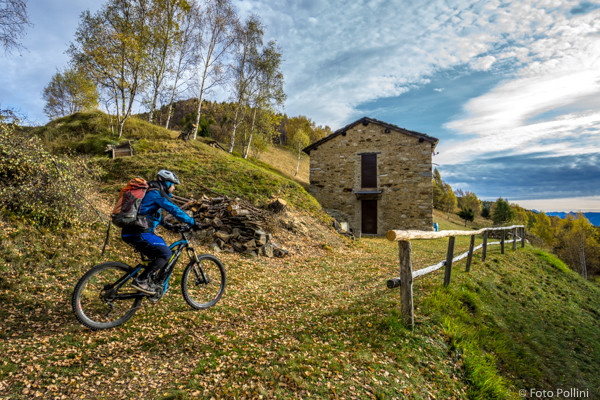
103,298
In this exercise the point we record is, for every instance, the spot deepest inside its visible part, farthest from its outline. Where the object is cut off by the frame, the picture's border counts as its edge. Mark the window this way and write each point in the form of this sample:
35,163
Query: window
368,170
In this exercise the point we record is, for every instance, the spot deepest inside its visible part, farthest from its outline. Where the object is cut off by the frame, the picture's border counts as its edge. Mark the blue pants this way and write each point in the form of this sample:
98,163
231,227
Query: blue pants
153,247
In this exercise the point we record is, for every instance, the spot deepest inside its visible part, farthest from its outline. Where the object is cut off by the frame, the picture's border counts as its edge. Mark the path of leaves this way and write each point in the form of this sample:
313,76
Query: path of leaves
320,324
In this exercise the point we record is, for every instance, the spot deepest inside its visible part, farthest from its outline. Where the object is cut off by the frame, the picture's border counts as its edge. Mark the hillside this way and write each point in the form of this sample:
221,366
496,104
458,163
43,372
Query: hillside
285,161
204,169
320,323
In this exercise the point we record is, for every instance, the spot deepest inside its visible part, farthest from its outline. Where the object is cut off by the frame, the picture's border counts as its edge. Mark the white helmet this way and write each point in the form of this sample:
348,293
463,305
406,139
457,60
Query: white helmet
168,176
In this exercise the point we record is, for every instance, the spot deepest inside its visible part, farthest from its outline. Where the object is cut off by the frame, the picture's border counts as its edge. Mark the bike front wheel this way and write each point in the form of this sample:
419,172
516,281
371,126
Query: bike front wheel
203,283
103,299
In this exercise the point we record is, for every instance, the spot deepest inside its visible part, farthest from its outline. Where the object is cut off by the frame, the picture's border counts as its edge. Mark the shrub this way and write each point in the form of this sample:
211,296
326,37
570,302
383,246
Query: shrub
43,189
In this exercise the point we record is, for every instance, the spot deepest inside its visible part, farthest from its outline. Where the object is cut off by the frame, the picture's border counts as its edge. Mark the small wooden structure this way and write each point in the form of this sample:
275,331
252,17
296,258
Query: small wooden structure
121,150
407,274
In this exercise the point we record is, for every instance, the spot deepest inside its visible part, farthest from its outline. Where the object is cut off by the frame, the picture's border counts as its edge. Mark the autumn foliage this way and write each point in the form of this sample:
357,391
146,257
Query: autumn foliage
42,188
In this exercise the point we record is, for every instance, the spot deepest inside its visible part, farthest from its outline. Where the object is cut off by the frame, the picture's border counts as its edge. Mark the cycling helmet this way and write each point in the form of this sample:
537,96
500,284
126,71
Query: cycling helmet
167,176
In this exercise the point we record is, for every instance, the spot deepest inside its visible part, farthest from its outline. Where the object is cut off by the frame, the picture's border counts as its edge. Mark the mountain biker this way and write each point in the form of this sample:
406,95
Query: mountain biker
147,242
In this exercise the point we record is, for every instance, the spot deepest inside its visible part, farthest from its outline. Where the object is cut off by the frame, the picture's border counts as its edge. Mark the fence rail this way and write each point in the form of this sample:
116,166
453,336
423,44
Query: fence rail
403,237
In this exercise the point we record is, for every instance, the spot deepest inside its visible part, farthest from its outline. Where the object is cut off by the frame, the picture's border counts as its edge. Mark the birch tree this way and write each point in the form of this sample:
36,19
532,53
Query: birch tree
164,18
13,21
184,55
268,92
216,36
68,92
300,140
110,47
243,68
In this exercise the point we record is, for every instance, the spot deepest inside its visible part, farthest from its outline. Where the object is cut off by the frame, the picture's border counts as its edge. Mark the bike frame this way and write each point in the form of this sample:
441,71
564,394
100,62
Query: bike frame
164,277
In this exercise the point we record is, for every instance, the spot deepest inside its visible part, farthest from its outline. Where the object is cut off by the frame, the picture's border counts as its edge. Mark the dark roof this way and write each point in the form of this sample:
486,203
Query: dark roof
367,120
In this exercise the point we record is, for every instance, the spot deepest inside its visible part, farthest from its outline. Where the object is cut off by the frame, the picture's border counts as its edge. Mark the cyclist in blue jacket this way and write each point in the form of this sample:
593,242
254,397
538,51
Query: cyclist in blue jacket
147,242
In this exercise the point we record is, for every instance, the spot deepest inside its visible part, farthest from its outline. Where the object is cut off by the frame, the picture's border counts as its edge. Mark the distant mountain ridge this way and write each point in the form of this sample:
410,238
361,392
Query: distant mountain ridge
593,217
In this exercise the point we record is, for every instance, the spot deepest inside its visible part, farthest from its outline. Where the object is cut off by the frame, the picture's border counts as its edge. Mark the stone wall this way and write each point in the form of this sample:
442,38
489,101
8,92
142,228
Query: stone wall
403,175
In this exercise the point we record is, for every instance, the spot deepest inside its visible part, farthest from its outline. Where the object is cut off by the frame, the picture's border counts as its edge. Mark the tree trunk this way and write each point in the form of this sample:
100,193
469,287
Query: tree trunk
169,111
251,135
298,165
121,125
582,257
199,111
202,84
235,124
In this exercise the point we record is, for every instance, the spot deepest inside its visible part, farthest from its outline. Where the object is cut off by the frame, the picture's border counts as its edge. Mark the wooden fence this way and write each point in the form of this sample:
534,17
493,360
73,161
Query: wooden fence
405,281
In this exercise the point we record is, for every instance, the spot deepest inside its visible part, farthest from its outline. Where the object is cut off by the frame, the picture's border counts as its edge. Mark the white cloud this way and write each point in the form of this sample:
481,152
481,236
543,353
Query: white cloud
559,136
550,103
338,56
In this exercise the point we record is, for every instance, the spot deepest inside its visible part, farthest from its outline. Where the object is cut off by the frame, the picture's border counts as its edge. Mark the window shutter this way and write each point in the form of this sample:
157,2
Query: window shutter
369,170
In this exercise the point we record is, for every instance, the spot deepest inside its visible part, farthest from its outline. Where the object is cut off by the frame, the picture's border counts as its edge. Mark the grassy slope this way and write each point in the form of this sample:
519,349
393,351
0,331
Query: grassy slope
321,323
202,168
286,161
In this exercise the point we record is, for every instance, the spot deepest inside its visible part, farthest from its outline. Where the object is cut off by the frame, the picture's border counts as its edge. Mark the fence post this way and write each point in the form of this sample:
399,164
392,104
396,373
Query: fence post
449,257
470,256
406,285
514,238
484,252
502,241
522,237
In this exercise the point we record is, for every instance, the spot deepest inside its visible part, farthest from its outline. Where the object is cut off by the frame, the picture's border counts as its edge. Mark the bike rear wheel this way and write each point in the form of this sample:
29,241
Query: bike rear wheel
100,302
203,283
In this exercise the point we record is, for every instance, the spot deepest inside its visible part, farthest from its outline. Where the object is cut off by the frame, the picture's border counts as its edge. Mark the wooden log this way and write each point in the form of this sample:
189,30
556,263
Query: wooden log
179,198
261,238
502,241
432,268
397,235
224,236
514,245
394,283
239,212
266,250
278,205
470,255
449,257
406,287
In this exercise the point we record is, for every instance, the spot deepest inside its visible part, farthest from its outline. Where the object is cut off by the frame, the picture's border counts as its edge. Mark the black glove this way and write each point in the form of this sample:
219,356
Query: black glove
175,228
182,228
197,227
168,226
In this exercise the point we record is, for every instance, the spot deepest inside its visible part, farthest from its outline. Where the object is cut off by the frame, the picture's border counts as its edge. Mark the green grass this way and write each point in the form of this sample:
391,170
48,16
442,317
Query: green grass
90,132
203,169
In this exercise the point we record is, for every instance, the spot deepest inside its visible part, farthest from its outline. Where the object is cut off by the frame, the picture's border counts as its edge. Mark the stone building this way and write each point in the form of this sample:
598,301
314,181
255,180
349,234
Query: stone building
375,176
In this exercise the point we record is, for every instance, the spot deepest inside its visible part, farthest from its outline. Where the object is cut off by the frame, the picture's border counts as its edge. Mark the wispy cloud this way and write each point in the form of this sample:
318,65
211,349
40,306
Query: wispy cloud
339,56
532,176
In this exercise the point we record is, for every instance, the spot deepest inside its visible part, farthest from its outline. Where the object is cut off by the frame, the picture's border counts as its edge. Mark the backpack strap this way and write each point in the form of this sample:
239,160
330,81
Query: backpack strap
155,185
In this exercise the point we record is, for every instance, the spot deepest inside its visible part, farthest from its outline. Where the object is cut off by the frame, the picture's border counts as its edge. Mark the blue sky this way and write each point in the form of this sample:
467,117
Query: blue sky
511,88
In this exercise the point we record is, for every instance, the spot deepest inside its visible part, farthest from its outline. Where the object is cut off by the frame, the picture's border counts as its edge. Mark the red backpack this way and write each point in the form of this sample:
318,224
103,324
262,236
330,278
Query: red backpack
125,213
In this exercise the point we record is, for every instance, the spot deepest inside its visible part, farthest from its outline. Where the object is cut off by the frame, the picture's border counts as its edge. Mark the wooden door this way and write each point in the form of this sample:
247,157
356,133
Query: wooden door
369,216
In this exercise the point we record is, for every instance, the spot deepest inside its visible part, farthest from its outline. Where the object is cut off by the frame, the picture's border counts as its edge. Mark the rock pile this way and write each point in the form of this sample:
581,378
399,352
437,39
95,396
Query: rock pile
231,225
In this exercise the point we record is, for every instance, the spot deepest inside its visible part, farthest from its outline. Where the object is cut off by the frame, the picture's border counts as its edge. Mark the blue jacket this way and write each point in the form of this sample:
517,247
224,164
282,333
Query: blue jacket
151,205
